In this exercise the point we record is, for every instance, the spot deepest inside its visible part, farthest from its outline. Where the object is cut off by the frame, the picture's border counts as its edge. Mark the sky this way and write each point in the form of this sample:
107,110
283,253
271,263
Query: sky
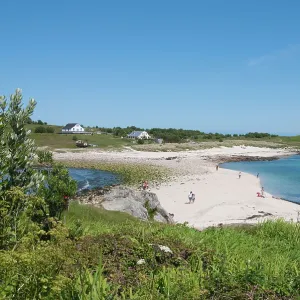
226,66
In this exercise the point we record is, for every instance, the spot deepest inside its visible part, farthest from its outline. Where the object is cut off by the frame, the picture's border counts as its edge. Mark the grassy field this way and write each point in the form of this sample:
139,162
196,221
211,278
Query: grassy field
105,255
60,141
106,142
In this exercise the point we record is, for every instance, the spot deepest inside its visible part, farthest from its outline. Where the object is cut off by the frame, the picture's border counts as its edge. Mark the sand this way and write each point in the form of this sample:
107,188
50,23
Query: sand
221,197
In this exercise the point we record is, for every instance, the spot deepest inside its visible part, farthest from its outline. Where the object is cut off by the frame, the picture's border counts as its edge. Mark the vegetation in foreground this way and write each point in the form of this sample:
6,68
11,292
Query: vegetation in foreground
49,250
99,254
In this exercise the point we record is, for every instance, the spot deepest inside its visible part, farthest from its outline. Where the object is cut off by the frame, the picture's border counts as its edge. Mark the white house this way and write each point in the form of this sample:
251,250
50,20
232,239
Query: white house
139,135
73,128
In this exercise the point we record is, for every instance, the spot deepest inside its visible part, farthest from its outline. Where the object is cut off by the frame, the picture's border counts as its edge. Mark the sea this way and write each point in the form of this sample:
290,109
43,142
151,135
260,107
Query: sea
281,178
90,178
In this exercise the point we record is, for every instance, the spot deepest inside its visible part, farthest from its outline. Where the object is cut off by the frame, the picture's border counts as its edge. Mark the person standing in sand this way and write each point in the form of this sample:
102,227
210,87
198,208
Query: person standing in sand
217,167
240,175
190,196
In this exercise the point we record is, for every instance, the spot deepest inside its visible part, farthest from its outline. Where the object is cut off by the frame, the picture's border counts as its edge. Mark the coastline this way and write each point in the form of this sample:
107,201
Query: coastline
221,198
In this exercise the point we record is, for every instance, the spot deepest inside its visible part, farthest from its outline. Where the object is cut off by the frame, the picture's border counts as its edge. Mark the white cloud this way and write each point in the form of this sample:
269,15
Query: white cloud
291,49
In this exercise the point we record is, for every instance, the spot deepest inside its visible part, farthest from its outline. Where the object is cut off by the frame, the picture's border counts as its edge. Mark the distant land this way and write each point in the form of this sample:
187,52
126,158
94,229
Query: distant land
50,136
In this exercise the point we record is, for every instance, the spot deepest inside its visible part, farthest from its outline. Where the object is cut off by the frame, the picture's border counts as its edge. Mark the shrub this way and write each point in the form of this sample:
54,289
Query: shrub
50,129
40,129
140,141
75,138
43,129
45,157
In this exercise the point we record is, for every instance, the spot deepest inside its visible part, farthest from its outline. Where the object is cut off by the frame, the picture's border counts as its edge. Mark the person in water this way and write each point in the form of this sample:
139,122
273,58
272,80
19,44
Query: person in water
257,175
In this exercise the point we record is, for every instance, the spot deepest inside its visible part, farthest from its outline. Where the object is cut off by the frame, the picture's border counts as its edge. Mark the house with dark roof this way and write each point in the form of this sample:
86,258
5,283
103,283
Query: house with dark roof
73,128
139,135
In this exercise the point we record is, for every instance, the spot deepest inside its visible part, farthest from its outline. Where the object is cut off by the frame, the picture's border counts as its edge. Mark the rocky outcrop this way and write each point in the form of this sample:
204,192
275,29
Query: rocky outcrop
236,158
141,204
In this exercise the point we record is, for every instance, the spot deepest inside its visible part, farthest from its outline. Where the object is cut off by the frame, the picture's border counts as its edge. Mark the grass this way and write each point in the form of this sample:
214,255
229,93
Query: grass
96,254
106,142
61,141
261,262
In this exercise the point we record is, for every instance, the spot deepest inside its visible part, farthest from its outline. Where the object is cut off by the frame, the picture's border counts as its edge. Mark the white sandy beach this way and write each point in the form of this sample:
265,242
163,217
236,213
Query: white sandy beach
220,196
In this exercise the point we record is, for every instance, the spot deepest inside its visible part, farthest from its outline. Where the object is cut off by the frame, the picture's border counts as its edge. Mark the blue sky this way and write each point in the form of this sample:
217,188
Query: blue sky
226,66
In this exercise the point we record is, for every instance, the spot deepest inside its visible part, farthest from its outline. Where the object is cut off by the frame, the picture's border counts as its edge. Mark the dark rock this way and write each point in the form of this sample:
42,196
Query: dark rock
236,158
171,157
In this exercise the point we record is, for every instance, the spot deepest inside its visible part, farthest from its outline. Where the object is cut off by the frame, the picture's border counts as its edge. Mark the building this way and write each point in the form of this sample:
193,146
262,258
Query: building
139,135
73,128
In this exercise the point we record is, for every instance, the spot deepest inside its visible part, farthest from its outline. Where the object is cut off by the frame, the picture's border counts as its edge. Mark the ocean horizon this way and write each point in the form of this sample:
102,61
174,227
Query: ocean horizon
281,177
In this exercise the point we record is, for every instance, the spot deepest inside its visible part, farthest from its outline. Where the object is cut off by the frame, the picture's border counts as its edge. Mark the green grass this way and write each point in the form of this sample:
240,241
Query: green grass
221,263
106,142
59,141
95,255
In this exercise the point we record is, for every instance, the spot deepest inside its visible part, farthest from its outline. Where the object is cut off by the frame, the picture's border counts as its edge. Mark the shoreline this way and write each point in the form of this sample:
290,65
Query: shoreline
221,198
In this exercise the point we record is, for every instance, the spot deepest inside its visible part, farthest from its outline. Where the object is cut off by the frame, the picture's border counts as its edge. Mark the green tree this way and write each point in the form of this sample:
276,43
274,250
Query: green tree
17,149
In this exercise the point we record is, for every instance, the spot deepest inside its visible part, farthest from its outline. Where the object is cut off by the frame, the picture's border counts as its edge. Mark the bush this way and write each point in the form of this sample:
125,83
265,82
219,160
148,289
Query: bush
50,129
40,129
74,138
140,141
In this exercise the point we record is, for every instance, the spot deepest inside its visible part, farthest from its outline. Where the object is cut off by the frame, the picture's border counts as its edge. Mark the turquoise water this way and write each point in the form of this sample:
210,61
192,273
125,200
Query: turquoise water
89,178
280,177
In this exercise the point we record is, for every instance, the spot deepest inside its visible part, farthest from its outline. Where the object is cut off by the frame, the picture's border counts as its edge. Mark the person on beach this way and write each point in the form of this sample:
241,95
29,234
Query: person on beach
257,175
145,185
217,167
190,196
240,175
262,191
193,197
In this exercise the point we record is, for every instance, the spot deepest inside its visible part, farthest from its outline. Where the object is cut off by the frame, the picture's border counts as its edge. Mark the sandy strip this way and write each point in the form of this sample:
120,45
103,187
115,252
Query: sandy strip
221,197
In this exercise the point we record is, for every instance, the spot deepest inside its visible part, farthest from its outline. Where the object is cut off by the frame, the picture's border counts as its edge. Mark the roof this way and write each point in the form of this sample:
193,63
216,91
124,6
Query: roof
70,125
135,133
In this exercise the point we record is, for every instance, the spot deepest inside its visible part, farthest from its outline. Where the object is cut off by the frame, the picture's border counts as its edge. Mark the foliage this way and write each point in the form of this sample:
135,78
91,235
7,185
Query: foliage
43,129
140,141
16,148
38,122
57,190
44,157
151,211
25,203
20,215
172,135
259,262
75,138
